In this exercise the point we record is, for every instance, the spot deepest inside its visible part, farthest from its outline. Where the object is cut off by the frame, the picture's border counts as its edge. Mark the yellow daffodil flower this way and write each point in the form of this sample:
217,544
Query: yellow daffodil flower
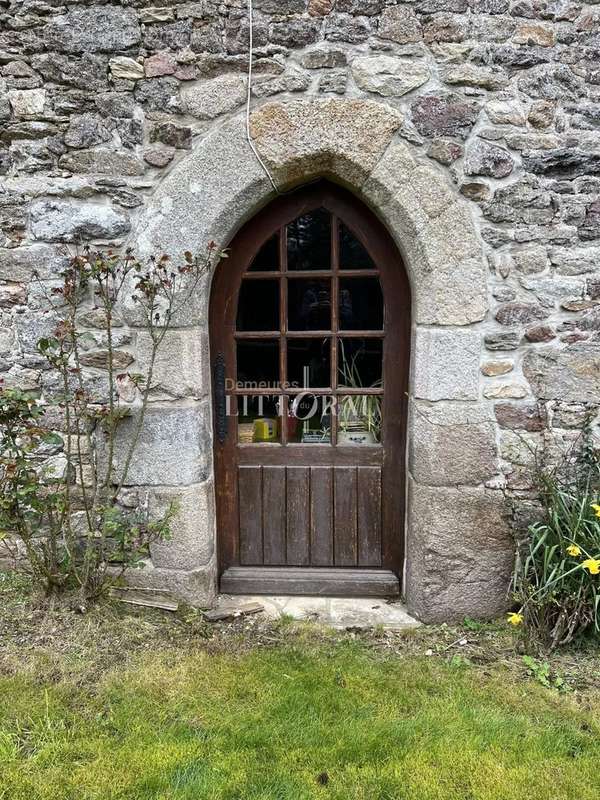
596,508
515,618
592,565
573,550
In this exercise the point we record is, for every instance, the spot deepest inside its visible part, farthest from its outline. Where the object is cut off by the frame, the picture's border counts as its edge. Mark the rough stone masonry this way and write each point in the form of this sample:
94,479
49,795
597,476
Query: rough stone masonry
499,100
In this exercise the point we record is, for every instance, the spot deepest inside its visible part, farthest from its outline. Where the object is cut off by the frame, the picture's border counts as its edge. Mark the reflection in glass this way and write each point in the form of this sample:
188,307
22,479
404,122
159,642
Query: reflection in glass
267,258
258,306
309,304
359,419
309,241
352,254
309,363
309,419
360,363
259,420
361,304
258,363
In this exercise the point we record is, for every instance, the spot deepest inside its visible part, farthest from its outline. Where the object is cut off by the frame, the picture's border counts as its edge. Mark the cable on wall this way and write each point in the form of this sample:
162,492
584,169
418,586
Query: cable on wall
248,136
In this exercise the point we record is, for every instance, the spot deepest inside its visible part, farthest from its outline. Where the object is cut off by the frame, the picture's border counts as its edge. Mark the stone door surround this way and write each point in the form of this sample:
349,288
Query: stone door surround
458,545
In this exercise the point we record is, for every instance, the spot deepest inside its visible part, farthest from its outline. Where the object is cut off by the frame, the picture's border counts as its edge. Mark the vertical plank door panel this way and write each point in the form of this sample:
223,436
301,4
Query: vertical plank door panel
250,505
274,513
298,516
369,516
321,516
345,551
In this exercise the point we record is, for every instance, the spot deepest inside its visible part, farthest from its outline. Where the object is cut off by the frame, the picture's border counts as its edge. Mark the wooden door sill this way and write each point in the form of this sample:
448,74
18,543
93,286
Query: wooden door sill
325,581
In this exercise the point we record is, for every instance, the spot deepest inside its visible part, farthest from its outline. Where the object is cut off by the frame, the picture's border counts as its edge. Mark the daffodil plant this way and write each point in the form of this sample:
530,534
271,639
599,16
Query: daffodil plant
556,585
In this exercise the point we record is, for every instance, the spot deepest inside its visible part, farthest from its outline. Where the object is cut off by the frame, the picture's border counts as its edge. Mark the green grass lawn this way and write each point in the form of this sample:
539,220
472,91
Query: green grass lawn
297,714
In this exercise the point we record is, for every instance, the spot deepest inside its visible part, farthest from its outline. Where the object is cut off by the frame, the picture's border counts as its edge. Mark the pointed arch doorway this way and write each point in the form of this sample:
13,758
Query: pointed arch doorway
310,348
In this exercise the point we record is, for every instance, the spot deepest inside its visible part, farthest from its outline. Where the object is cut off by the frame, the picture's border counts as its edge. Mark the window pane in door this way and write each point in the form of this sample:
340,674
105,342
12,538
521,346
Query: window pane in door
309,304
309,419
352,254
259,419
359,419
360,304
258,306
267,258
309,363
258,363
309,241
360,363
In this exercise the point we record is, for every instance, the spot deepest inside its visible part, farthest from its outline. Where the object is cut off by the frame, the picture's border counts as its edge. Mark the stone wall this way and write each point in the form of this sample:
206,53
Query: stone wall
489,115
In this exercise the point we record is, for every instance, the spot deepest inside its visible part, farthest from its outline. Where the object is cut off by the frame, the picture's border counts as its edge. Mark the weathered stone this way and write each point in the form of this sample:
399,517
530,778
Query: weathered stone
86,71
323,57
86,130
211,98
97,29
443,115
508,340
181,367
57,221
162,63
540,333
168,36
12,294
319,8
460,553
102,162
21,263
445,151
562,162
577,304
531,260
345,28
158,94
100,359
590,321
334,81
159,156
116,104
483,158
492,78
528,33
572,415
506,112
192,541
293,80
298,139
505,391
541,113
368,7
571,374
557,82
492,368
574,261
476,190
464,432
590,229
446,364
523,313
27,102
169,133
156,14
126,68
521,416
400,24
175,444
296,32
388,76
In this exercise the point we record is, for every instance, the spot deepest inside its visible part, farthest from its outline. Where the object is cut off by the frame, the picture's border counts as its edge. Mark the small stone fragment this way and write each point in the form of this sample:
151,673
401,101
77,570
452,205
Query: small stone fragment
540,333
483,158
446,151
126,68
492,368
501,391
159,156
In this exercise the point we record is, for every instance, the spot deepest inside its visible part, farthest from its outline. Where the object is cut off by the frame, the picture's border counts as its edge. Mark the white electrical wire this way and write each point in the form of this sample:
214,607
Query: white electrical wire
248,136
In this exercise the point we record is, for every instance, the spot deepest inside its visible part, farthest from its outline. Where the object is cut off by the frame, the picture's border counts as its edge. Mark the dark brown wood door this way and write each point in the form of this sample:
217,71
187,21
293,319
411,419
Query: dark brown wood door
310,343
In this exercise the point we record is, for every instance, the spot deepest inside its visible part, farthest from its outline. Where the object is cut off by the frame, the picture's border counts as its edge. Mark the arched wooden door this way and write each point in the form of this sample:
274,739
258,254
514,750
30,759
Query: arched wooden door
310,345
